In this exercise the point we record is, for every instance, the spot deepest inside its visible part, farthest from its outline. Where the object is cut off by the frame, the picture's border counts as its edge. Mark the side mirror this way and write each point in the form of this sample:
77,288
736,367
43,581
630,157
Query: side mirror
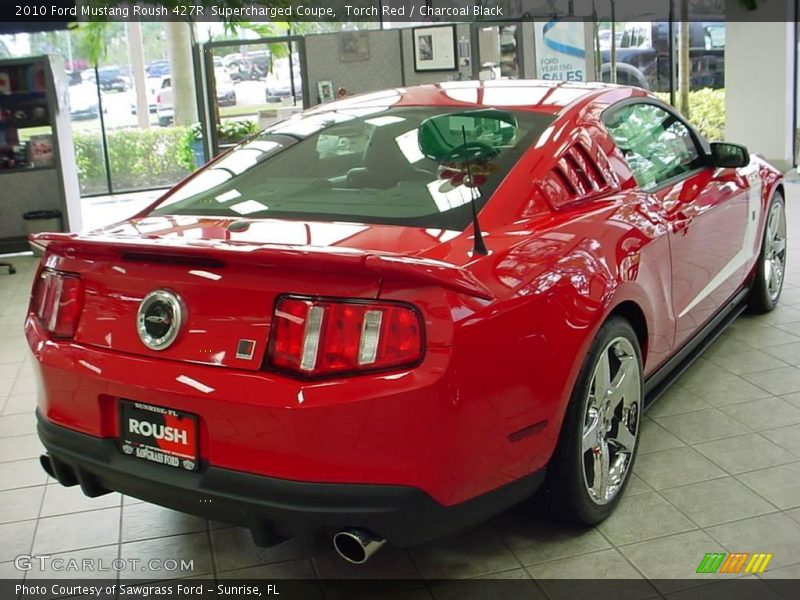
727,156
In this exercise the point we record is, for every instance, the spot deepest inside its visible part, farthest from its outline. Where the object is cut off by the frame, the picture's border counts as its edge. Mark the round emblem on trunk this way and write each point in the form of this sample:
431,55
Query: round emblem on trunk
161,314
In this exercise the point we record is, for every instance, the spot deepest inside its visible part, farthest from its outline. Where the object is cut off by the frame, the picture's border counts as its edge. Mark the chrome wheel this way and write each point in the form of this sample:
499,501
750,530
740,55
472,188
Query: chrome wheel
611,420
775,250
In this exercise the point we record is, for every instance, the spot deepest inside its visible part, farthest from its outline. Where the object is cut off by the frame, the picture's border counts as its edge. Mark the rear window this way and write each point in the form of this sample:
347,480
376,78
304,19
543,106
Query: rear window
361,164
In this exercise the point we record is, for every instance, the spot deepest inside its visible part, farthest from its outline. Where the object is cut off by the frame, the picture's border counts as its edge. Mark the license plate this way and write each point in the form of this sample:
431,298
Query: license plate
160,435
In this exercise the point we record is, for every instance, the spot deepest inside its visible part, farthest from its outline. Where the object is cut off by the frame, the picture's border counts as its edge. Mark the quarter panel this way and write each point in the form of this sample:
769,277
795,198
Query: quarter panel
516,359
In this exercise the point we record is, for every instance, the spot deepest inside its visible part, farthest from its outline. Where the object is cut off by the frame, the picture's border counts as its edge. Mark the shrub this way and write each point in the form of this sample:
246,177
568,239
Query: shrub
139,158
707,112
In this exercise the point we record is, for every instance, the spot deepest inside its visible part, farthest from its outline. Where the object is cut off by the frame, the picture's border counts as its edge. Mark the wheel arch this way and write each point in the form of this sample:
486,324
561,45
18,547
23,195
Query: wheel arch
633,313
779,189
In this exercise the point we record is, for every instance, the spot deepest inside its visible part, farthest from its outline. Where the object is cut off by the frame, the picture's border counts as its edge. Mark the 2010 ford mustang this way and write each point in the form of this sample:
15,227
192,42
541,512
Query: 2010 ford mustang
394,315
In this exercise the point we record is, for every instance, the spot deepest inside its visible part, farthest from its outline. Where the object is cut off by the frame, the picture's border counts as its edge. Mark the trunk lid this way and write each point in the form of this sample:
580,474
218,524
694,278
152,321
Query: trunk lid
228,278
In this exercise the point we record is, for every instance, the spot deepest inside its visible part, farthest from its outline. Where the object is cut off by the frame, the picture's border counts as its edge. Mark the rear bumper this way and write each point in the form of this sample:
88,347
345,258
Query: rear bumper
273,509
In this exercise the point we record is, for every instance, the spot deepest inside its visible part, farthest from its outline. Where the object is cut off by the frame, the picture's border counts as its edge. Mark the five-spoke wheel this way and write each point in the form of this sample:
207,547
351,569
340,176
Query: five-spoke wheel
771,268
597,448
611,420
775,250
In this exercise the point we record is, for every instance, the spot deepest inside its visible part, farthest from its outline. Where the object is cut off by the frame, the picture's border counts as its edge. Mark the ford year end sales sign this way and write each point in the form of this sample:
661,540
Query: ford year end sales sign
561,50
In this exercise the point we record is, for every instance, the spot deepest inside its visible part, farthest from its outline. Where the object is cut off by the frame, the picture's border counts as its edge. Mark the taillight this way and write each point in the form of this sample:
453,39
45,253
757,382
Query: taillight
327,337
58,302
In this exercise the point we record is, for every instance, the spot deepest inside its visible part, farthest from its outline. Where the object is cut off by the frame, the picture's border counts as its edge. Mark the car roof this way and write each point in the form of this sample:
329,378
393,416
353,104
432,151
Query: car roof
519,94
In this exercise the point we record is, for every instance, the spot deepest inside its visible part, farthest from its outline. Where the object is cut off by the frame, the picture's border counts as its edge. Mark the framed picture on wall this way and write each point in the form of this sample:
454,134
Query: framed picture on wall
434,48
325,91
354,46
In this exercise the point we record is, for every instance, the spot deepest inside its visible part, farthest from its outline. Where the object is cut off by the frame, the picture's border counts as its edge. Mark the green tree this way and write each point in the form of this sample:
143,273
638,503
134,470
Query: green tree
155,41
49,42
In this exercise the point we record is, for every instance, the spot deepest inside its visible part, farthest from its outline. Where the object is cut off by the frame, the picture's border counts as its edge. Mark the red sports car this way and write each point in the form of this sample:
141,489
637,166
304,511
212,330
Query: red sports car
394,315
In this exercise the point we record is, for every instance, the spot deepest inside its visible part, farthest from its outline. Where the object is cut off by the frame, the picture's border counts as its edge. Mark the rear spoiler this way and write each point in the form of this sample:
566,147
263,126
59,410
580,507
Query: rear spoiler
217,252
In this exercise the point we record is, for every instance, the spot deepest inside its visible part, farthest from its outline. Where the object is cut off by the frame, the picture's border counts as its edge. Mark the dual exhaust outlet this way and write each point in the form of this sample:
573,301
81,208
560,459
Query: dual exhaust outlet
356,546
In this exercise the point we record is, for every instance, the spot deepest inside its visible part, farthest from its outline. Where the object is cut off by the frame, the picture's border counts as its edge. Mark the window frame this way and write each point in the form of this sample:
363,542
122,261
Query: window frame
702,145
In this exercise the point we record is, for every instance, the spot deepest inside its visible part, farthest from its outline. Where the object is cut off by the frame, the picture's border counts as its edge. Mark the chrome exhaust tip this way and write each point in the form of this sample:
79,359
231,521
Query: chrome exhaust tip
356,545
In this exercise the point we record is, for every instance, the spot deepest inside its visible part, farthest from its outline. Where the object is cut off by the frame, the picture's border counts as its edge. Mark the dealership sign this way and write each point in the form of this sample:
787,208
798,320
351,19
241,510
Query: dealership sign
561,50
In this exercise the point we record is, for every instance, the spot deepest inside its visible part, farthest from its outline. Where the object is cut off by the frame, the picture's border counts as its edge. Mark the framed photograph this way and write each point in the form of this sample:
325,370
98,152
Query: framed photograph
326,91
354,46
434,48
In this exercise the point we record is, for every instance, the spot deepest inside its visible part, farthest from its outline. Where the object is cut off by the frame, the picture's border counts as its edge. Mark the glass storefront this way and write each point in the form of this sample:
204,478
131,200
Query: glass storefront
121,143
128,135
654,54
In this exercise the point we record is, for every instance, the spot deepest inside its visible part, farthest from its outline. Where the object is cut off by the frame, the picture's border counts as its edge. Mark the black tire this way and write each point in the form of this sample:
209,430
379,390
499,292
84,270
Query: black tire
567,491
765,296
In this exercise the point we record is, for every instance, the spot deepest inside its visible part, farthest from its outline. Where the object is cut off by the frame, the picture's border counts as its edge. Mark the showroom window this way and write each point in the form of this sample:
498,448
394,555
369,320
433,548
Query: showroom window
116,149
650,55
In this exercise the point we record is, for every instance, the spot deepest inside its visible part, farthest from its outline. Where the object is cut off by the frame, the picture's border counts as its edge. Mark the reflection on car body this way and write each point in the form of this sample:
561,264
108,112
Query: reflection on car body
394,315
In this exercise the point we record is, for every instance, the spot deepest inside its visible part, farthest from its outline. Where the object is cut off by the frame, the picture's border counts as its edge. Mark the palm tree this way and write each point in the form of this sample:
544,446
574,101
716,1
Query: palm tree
179,51
684,59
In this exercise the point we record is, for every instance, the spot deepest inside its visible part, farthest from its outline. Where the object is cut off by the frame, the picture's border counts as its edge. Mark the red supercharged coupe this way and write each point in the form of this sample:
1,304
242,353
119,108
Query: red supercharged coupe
395,315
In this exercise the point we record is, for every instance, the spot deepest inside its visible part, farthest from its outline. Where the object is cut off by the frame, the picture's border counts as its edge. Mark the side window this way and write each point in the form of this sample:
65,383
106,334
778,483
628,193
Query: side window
639,38
657,145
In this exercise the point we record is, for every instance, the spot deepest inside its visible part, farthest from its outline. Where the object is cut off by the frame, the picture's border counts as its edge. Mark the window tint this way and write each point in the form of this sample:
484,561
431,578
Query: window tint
656,144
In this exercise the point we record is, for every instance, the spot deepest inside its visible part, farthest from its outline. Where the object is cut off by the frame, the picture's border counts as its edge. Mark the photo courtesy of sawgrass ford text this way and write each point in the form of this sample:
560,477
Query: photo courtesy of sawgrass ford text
135,591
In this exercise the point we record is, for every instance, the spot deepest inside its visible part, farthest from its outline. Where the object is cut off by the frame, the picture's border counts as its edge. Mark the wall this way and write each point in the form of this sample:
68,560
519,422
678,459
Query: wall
759,82
411,77
390,64
382,70
34,189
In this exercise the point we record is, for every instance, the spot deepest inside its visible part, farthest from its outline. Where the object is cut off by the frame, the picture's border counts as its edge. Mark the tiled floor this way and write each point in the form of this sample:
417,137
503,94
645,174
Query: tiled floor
719,470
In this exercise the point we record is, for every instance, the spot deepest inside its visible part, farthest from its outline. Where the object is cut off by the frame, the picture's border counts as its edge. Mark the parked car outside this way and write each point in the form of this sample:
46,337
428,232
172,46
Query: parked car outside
152,87
112,79
643,55
158,68
83,101
279,82
225,92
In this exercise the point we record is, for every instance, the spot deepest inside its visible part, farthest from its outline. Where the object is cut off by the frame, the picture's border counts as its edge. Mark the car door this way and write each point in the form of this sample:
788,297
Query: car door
708,209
